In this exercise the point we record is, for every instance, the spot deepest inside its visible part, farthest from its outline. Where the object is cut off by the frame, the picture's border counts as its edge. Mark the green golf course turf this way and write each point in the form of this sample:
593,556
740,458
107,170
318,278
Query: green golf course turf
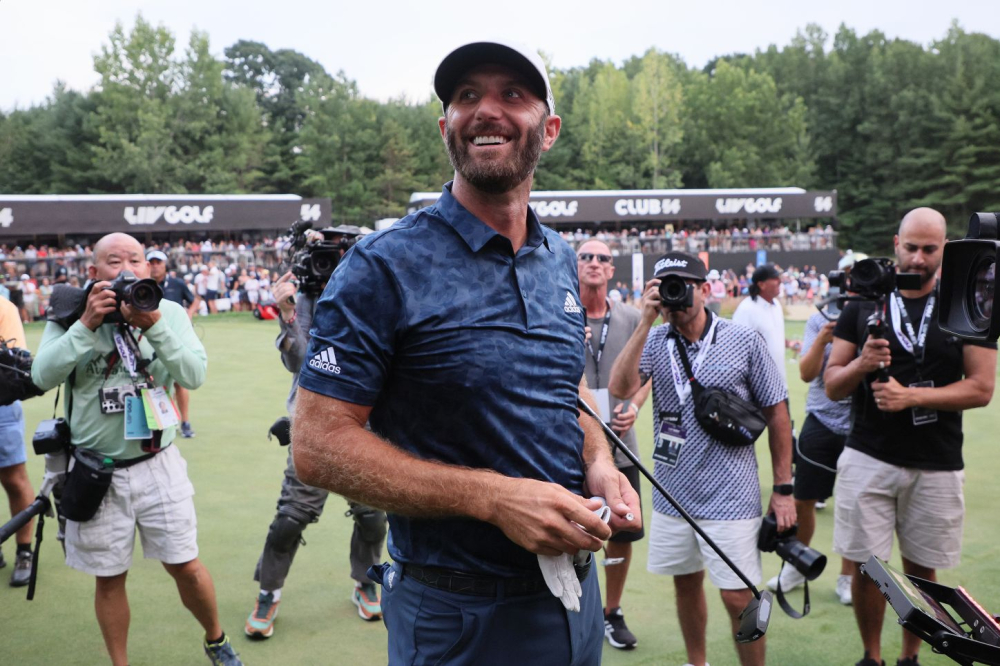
237,473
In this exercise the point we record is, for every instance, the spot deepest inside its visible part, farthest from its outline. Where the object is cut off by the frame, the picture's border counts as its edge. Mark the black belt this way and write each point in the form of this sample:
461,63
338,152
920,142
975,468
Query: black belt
461,582
122,464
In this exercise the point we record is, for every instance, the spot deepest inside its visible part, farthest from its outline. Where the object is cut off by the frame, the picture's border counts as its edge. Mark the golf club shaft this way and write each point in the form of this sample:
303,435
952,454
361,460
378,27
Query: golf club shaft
618,444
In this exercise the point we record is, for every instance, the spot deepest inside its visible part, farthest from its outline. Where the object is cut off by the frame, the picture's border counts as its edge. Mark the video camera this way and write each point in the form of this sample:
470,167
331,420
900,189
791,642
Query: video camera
872,280
968,282
15,374
312,262
68,303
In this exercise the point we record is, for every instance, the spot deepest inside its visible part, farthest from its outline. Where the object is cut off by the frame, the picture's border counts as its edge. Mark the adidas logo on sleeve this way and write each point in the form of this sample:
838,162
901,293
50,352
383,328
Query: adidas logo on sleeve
570,305
325,360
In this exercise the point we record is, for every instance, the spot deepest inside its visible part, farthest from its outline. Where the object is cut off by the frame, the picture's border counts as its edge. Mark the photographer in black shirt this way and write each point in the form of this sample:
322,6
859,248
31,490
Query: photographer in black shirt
901,469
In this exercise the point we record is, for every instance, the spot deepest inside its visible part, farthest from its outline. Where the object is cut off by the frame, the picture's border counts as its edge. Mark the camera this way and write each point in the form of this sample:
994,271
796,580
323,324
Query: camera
810,563
143,295
68,303
675,293
873,279
15,374
312,262
968,282
51,436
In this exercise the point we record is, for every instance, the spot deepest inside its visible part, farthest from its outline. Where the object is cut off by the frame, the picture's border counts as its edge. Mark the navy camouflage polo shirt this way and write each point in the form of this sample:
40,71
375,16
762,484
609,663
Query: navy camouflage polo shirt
468,353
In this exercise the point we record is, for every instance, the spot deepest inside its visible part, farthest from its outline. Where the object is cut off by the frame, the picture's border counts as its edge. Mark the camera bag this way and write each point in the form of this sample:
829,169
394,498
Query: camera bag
86,485
725,416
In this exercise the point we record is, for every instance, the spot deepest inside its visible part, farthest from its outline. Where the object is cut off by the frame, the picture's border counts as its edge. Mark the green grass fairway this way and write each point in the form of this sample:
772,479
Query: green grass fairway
237,473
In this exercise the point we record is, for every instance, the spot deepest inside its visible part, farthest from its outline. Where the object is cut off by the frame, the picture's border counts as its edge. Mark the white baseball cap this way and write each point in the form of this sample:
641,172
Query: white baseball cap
516,56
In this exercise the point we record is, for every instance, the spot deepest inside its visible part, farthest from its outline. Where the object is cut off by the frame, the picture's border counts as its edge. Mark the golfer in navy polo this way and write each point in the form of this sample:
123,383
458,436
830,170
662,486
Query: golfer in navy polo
458,333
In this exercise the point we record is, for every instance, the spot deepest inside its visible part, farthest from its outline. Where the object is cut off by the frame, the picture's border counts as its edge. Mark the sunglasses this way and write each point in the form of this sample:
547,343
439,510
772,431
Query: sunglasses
587,257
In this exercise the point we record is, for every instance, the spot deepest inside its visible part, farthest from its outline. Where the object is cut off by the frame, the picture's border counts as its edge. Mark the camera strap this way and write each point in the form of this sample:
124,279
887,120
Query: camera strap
787,607
682,386
913,342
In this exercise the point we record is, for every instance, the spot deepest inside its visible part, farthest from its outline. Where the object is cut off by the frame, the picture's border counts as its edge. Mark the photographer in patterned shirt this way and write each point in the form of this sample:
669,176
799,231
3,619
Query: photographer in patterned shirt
716,482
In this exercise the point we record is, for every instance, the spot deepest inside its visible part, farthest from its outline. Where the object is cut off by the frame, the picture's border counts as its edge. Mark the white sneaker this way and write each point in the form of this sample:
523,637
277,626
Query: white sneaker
790,579
844,589
690,664
820,505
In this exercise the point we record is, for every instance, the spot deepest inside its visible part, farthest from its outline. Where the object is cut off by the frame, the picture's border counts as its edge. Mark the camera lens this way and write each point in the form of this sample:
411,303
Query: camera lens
145,295
674,290
981,293
323,262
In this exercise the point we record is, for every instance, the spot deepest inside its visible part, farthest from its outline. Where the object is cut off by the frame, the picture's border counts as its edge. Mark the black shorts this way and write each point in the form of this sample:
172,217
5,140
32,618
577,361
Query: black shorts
17,298
816,460
632,474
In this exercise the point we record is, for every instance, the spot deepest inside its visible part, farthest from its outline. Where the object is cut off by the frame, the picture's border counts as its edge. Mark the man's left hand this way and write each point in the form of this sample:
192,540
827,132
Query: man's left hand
138,318
604,480
891,396
623,419
783,508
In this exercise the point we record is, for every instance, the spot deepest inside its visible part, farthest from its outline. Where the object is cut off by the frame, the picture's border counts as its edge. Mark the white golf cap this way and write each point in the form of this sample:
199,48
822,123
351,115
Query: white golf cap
516,56
713,275
156,254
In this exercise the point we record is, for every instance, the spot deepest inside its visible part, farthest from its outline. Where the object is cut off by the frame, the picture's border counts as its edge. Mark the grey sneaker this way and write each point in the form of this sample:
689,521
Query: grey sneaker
187,432
3,562
222,654
21,574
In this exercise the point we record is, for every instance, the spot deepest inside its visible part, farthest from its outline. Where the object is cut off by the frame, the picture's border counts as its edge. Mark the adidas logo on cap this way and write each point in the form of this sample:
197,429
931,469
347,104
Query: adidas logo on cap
570,305
325,360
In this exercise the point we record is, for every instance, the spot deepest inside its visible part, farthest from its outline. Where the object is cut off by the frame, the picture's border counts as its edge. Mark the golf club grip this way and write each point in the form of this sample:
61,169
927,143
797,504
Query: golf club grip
663,491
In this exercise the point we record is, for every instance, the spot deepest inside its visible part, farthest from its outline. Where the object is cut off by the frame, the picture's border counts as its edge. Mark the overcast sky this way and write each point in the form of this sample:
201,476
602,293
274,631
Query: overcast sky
391,48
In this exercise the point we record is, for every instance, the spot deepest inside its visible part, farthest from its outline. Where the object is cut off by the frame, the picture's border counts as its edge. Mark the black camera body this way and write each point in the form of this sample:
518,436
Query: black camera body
312,262
675,293
51,436
15,374
67,303
968,282
874,279
809,562
143,295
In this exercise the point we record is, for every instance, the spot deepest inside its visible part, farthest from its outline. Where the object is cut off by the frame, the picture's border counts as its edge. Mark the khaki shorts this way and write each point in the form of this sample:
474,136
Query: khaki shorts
873,499
675,549
157,497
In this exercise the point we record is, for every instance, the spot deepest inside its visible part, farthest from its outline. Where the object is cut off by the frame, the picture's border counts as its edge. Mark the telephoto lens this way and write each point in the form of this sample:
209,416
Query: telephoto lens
809,562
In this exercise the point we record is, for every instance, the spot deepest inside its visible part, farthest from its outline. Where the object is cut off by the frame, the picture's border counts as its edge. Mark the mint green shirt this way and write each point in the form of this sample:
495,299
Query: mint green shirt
180,357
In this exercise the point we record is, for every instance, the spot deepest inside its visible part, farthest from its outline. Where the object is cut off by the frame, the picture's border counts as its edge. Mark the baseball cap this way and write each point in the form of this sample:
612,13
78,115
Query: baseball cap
156,254
680,263
521,58
713,274
765,272
851,258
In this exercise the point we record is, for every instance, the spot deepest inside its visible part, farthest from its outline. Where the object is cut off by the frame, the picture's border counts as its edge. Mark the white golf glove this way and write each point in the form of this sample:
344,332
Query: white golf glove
559,573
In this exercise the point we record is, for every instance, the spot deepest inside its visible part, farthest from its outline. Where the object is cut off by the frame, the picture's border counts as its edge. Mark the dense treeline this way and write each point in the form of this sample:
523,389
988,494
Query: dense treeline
890,124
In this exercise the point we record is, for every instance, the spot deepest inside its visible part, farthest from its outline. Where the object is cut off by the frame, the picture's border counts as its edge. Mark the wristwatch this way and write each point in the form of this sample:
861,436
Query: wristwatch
783,488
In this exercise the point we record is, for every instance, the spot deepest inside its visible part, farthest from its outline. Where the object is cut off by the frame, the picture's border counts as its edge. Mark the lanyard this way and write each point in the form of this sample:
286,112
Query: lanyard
915,343
600,349
682,384
125,352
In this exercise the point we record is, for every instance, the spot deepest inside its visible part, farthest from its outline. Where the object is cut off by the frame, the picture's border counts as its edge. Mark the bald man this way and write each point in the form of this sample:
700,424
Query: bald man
902,466
611,324
99,361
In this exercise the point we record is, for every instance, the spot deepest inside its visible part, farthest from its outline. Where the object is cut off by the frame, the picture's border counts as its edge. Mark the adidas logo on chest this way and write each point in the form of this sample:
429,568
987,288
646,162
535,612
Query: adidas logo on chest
570,305
326,360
